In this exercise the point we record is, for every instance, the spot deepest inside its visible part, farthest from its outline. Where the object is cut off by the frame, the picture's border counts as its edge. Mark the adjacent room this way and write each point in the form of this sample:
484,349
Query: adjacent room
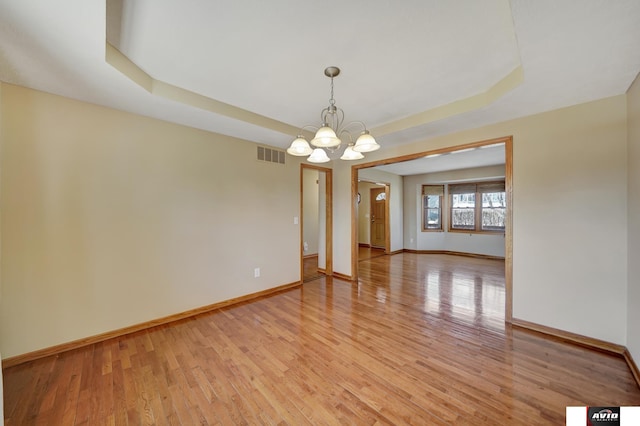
422,212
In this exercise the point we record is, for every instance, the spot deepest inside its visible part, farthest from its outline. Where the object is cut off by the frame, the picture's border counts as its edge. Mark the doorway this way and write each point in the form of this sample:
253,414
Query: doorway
316,223
378,207
508,235
372,218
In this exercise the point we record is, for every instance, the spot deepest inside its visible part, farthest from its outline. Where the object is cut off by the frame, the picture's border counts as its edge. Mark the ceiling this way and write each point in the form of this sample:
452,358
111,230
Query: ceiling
254,70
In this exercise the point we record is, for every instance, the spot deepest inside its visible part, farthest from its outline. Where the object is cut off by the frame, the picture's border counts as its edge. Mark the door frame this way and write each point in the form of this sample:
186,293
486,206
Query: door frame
508,232
328,173
387,224
372,217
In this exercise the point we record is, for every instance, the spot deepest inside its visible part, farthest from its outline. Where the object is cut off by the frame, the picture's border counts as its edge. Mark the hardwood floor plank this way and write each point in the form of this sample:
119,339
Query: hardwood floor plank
420,339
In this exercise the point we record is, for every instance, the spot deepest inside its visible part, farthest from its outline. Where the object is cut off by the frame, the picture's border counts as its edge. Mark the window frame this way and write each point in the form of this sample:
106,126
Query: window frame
480,188
427,191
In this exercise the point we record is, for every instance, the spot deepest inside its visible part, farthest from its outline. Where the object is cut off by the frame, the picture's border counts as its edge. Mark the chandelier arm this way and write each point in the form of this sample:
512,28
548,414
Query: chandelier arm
340,117
348,133
333,117
309,126
323,116
364,127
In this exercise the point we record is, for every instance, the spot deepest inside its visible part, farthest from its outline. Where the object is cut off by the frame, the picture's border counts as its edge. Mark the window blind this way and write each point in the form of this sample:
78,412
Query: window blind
472,188
491,187
433,190
462,188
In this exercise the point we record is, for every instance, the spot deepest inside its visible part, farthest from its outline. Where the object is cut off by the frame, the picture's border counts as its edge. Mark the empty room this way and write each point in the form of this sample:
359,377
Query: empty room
224,212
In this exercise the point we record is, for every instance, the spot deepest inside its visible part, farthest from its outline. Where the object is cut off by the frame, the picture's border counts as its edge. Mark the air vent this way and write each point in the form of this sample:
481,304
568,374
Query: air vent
270,155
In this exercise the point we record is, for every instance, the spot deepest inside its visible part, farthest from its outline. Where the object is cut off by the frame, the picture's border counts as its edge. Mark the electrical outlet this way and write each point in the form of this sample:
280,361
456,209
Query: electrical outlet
256,273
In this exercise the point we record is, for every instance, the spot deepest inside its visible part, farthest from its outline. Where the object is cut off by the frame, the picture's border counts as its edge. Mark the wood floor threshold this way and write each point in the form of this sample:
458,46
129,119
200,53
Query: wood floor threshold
455,253
343,276
584,341
57,349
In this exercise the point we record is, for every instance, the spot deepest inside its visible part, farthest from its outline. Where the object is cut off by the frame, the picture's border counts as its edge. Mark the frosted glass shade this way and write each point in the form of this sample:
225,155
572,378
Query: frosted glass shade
350,154
365,143
325,138
318,156
299,147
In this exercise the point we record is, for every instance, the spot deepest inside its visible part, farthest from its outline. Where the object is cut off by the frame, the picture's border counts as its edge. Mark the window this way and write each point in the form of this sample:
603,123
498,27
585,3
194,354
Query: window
494,206
478,207
463,207
432,207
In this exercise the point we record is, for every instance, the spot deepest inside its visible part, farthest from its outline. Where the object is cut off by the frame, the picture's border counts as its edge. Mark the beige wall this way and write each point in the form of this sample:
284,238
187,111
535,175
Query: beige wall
633,191
570,260
112,219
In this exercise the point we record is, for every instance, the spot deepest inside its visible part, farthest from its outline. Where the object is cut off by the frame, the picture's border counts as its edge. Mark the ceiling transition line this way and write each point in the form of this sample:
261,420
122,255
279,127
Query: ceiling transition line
501,88
119,61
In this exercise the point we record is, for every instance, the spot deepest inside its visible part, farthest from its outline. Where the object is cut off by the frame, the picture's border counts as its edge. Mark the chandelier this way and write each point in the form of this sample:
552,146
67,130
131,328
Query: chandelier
328,135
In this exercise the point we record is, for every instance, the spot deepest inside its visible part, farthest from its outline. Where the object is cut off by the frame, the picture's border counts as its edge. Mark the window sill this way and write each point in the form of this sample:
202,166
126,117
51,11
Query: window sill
473,231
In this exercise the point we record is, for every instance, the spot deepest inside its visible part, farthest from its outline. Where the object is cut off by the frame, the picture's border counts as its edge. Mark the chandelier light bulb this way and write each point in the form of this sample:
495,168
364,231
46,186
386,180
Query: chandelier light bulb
350,154
318,156
366,143
299,147
325,138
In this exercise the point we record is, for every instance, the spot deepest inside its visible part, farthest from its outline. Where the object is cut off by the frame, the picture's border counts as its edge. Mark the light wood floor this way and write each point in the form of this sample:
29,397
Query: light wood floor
310,264
310,269
365,253
419,340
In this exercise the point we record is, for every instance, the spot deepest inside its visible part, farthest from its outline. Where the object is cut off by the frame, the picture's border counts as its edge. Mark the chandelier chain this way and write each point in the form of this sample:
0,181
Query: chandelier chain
332,101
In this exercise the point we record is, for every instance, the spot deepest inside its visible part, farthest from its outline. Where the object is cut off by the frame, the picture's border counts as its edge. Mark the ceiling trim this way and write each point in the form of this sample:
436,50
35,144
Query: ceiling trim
501,88
447,58
119,61
130,69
